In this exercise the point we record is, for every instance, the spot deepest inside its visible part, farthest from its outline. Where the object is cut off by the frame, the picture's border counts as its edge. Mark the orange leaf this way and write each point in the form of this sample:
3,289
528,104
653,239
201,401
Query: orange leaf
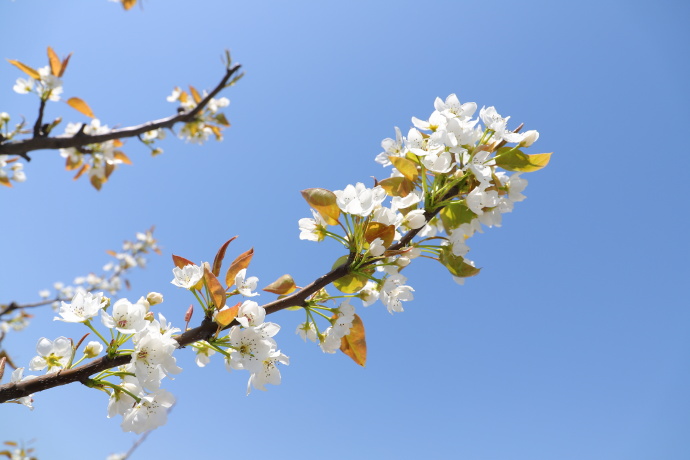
238,264
181,262
111,252
378,230
214,288
118,143
5,181
63,67
220,255
54,62
83,169
128,4
283,285
80,106
407,168
97,182
195,94
397,186
354,344
26,69
226,316
122,157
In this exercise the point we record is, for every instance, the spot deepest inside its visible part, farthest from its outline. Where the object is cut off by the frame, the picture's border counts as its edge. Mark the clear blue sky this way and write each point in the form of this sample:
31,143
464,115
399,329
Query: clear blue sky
571,344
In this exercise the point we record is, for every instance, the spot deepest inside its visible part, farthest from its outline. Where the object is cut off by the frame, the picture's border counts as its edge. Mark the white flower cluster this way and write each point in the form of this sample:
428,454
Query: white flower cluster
207,122
133,255
250,345
339,328
253,348
11,170
99,160
48,86
138,397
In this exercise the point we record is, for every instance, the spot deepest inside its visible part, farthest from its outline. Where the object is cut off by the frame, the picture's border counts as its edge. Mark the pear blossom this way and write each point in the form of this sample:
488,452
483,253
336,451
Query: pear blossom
307,330
188,276
84,305
268,373
453,108
376,247
52,354
246,285
251,348
312,229
359,200
369,293
127,317
149,413
391,147
152,358
203,352
393,292
415,219
18,376
250,313
478,199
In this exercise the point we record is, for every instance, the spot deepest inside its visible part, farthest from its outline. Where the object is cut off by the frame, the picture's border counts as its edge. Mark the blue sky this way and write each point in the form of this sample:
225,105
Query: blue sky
571,344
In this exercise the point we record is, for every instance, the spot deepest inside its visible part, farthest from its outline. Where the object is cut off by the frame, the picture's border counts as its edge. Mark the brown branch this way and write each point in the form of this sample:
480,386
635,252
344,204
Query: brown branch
204,331
21,147
9,308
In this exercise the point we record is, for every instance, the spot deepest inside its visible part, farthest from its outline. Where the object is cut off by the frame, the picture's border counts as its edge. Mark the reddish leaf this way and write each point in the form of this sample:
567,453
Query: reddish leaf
238,264
214,288
218,261
354,344
378,230
181,262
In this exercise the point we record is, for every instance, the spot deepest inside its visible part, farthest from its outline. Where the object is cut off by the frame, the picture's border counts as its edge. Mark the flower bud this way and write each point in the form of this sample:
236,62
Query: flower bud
154,298
4,117
149,316
403,261
93,349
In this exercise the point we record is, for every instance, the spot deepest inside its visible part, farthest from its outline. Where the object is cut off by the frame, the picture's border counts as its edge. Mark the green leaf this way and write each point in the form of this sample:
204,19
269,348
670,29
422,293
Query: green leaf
456,265
350,283
455,214
512,159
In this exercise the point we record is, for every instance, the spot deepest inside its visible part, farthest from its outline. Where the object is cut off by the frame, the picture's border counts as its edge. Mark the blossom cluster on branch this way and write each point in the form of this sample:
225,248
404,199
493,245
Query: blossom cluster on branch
92,148
449,176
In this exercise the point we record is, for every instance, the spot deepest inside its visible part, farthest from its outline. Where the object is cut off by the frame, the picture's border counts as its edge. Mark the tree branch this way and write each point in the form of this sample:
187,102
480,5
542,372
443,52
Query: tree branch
21,147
